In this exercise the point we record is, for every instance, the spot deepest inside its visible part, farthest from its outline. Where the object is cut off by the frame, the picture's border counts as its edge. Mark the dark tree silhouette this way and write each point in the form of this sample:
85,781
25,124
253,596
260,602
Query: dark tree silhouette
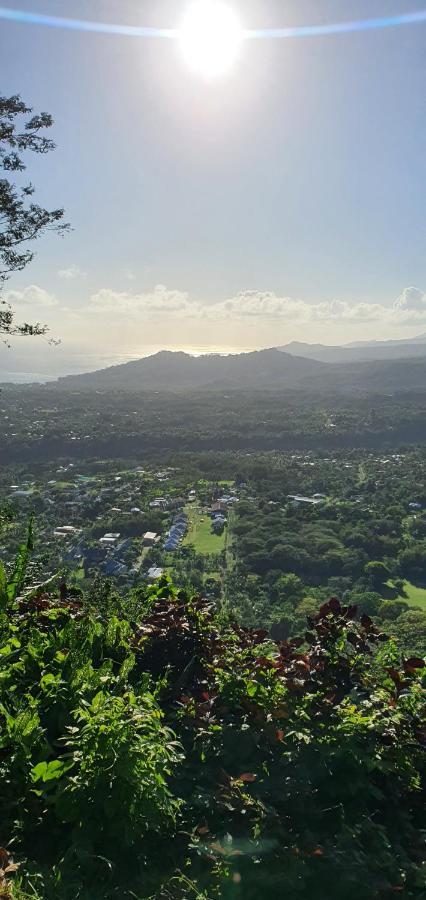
22,220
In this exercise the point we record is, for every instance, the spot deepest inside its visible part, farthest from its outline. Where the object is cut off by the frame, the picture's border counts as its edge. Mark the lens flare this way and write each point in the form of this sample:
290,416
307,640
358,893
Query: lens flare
140,31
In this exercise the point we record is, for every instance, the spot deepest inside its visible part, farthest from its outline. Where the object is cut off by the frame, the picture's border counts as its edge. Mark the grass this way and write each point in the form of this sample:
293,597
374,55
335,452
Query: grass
200,534
415,596
411,594
79,574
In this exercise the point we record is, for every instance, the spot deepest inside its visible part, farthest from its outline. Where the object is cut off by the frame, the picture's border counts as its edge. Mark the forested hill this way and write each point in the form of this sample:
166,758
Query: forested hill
259,370
181,371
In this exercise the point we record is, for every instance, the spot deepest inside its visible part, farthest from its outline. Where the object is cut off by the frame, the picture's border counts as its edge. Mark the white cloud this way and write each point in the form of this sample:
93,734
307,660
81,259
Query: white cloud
412,300
70,273
408,309
166,315
31,296
265,304
159,301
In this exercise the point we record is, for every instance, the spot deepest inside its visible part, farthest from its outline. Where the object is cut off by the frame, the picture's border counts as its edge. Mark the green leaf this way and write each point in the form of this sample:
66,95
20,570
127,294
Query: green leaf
15,584
3,586
49,771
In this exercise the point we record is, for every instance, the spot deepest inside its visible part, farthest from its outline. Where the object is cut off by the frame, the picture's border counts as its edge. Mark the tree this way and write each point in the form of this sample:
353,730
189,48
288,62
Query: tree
368,602
413,561
392,609
288,588
410,630
377,573
21,219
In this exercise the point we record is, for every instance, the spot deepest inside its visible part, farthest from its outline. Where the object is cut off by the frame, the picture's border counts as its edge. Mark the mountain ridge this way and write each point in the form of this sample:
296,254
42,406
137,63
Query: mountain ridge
358,351
176,370
271,369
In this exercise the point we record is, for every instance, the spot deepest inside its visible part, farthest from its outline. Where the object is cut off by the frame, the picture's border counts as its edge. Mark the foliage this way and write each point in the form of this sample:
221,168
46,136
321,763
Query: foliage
9,588
21,219
162,753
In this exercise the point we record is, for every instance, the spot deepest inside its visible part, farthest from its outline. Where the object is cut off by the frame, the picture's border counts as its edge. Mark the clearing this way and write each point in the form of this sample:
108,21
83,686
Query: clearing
200,534
415,596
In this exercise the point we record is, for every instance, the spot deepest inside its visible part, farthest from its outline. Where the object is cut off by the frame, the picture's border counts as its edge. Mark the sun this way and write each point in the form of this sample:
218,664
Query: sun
210,37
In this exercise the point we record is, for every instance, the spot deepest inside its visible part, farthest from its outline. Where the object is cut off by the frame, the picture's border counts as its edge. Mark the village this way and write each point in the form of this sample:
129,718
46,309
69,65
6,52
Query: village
267,537
126,524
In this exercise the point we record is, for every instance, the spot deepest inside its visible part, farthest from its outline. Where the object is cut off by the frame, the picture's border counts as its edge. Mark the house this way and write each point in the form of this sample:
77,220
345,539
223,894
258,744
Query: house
150,538
93,555
109,539
66,531
112,567
299,500
122,546
176,502
171,543
218,523
217,508
158,503
181,519
154,572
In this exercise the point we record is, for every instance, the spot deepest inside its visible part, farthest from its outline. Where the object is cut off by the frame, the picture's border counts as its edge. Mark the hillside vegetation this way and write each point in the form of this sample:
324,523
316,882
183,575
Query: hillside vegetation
271,369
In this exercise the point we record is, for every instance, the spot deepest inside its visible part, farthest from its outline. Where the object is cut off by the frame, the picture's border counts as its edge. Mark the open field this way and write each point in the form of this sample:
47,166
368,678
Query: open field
200,535
411,594
415,596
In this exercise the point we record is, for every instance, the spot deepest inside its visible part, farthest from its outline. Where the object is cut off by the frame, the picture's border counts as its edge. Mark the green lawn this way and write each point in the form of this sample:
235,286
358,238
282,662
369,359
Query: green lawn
415,596
200,533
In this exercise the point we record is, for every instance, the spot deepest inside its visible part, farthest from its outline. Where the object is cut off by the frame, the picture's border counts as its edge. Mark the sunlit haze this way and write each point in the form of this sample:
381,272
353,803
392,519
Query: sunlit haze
210,37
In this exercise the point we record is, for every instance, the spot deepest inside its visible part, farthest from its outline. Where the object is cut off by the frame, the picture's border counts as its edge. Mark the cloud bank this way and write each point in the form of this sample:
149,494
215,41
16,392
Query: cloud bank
408,309
31,296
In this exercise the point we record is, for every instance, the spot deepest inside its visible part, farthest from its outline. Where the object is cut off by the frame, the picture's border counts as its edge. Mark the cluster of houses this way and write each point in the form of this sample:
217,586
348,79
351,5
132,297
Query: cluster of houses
177,532
65,494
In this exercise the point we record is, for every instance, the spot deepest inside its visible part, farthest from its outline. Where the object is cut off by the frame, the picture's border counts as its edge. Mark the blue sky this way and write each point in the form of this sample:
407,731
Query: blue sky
283,201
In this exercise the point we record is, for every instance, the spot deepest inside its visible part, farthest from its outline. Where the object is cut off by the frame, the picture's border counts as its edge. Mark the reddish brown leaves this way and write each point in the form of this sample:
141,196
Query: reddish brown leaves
415,662
7,868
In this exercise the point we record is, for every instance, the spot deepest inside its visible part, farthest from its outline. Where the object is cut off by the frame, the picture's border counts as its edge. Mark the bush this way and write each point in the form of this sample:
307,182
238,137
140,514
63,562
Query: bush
173,756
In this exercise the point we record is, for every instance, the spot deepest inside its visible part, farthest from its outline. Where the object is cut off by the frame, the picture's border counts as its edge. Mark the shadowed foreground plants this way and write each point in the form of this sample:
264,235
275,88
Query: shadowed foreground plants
166,754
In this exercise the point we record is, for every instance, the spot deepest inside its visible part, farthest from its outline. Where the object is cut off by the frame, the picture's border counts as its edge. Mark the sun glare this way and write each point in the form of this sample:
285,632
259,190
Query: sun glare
210,37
